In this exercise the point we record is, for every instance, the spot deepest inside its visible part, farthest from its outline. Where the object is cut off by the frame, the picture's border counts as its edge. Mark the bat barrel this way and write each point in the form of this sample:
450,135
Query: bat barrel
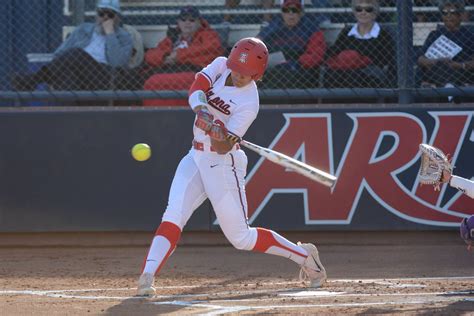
293,164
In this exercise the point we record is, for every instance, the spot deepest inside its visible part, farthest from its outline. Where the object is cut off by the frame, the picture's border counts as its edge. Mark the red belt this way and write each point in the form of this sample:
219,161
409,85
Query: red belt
200,146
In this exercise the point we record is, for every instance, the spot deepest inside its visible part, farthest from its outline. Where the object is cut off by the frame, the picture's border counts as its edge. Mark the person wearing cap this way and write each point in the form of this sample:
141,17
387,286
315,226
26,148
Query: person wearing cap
364,54
265,4
185,50
86,59
296,46
439,67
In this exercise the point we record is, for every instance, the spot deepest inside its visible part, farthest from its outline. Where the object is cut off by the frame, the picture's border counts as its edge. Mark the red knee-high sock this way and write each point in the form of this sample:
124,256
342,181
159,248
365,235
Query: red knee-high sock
164,243
272,243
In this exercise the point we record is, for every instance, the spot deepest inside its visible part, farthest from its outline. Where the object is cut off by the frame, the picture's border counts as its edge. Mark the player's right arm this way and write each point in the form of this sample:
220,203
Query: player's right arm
464,185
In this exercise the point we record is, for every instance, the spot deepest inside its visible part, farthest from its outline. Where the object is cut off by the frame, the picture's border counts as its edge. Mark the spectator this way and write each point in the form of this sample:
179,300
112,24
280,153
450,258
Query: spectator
186,49
296,47
268,4
87,58
363,55
442,67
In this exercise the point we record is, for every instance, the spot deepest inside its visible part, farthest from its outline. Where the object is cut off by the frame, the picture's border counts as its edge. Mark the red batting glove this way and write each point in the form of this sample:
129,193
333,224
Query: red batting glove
204,119
218,132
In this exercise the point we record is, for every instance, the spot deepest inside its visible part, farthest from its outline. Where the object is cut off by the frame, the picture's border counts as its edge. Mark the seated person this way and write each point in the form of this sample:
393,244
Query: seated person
185,50
87,58
363,55
440,67
268,4
296,47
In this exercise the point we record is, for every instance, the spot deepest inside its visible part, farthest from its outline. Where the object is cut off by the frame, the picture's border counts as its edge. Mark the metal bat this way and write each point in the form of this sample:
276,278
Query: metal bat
290,163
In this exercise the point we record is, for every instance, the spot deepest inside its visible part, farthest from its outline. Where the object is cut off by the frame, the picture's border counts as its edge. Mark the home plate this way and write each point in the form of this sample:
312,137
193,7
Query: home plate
312,293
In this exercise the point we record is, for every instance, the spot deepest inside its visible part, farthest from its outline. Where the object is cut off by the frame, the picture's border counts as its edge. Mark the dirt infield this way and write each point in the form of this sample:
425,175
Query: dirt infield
369,273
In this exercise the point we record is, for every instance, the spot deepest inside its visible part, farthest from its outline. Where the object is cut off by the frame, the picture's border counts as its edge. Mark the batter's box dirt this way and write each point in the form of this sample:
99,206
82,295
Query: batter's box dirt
283,297
419,277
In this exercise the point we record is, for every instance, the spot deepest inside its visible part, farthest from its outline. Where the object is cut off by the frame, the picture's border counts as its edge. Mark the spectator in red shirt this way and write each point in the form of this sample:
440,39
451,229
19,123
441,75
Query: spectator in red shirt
187,48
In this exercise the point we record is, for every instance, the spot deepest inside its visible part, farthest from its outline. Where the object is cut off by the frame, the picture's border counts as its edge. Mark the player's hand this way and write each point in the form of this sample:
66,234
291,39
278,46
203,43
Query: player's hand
204,119
171,58
446,176
108,26
218,132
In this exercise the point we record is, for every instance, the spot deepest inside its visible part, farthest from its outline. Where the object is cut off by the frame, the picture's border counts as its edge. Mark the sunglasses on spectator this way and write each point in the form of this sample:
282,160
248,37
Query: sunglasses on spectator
184,19
452,11
103,13
366,9
290,10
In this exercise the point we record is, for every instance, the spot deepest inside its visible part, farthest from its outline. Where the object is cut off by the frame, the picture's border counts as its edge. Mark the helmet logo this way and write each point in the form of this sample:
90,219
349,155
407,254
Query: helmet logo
243,57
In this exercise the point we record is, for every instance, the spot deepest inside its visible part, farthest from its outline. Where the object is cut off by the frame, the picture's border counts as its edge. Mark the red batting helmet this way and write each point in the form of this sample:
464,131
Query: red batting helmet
249,57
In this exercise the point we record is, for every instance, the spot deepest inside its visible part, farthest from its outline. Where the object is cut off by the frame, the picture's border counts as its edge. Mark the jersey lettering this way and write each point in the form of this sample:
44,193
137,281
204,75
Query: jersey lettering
217,103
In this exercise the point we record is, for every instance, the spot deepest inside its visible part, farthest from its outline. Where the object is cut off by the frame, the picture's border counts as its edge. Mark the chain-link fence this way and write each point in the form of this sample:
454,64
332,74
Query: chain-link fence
74,45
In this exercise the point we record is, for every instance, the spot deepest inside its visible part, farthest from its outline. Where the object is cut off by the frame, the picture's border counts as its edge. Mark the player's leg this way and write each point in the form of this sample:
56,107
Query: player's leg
186,194
230,204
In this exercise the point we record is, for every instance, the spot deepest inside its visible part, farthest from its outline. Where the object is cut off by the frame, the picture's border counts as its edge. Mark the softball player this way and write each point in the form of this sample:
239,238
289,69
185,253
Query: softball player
225,98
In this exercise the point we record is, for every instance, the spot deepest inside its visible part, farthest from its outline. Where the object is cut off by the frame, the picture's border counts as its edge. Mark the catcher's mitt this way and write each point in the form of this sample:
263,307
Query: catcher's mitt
433,162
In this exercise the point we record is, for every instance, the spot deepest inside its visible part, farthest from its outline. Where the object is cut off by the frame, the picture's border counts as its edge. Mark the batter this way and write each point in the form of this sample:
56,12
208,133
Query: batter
225,98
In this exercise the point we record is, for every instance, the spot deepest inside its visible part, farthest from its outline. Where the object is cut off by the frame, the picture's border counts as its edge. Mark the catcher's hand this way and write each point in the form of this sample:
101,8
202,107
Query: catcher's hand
435,167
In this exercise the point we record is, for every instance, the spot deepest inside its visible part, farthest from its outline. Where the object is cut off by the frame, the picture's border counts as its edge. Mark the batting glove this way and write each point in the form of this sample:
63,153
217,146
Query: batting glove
218,132
204,119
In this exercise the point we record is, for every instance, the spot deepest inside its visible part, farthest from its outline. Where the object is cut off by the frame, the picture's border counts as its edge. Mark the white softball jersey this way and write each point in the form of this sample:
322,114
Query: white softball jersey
236,107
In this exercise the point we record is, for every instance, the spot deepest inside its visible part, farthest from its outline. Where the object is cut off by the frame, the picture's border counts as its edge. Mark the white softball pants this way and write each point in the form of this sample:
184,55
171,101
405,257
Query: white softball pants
221,178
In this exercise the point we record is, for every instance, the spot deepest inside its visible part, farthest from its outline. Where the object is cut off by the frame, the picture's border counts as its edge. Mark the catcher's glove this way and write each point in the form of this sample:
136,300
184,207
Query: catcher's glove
433,162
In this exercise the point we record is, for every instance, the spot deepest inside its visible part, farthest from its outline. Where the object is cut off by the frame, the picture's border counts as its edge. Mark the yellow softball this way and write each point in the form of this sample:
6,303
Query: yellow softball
141,152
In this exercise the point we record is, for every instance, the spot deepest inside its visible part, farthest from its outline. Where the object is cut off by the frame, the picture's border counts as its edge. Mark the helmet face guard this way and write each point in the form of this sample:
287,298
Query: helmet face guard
249,57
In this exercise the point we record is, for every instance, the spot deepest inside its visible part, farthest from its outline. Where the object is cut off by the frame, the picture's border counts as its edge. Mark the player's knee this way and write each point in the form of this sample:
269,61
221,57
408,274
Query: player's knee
244,240
173,217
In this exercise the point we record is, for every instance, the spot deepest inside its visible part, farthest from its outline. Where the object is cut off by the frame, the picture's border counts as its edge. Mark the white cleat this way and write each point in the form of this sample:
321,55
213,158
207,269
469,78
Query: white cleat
312,268
145,285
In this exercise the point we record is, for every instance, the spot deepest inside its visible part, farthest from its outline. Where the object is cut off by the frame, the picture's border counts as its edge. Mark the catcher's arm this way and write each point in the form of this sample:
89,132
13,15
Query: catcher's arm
464,185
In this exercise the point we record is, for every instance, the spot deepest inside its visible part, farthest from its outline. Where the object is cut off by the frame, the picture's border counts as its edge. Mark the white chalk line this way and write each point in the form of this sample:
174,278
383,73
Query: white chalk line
220,309
405,279
279,295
